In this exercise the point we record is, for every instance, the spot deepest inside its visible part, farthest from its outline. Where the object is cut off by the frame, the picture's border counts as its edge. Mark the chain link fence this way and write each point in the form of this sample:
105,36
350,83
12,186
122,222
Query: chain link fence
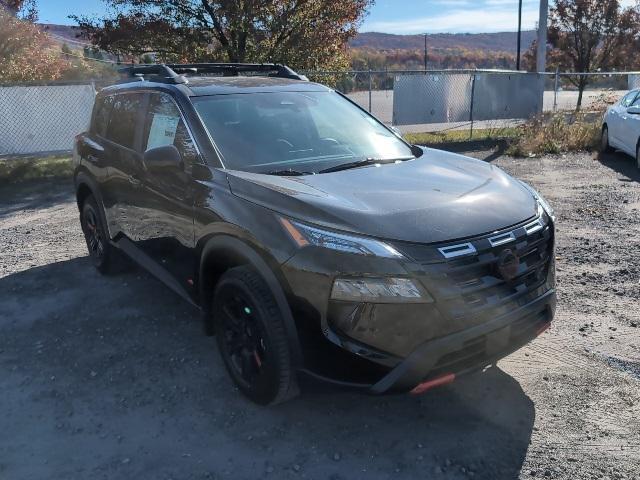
38,119
448,97
43,119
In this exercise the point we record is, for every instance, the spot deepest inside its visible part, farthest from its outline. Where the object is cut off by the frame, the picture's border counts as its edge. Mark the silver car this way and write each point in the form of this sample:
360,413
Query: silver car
621,126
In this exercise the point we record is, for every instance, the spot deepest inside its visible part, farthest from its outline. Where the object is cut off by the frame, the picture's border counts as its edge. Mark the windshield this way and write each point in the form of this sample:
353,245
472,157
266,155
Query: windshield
300,131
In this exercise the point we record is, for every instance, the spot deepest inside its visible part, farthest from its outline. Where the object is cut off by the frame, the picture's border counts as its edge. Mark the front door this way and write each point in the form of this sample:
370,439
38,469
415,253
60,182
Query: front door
630,131
166,230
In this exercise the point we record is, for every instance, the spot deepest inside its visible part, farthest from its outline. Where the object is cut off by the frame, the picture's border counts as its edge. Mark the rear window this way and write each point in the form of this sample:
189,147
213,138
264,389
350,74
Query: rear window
124,119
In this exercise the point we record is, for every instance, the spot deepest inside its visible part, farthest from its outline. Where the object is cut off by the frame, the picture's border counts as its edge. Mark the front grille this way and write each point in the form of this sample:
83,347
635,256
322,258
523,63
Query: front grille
471,288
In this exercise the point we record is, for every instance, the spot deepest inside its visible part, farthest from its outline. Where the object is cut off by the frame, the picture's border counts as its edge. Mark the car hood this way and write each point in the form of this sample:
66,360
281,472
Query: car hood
438,197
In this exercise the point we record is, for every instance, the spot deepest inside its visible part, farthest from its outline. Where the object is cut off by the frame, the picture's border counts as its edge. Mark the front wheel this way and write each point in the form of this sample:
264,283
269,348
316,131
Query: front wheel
251,337
605,146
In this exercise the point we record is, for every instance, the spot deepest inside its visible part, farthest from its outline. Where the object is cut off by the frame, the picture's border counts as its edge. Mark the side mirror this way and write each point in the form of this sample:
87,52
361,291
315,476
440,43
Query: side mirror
162,158
417,151
635,110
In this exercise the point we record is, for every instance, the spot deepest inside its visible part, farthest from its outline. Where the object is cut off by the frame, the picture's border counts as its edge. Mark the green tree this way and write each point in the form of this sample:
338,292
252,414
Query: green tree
306,34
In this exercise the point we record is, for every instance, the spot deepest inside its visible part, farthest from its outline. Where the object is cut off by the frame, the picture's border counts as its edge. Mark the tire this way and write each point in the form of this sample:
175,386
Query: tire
638,155
100,250
251,337
605,147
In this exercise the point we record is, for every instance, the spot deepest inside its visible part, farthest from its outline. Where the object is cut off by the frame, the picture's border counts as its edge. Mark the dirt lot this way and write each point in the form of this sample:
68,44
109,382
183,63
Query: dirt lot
111,377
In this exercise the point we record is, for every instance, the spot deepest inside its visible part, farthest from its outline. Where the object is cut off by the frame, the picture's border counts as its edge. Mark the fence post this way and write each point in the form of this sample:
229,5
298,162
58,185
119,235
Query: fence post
555,89
370,88
473,93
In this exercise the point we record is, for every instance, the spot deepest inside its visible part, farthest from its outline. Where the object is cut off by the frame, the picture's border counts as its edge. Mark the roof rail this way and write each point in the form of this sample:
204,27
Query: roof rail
174,73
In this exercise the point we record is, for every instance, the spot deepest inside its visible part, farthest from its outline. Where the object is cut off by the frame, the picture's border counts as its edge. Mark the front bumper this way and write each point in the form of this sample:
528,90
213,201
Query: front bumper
471,349
478,316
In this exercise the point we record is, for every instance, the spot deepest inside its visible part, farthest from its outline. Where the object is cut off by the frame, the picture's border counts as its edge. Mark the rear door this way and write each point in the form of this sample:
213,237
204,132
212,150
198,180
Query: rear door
123,185
166,230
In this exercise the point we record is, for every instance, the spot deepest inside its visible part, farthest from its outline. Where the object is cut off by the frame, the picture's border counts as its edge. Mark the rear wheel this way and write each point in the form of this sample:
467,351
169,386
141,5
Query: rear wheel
100,250
251,337
605,146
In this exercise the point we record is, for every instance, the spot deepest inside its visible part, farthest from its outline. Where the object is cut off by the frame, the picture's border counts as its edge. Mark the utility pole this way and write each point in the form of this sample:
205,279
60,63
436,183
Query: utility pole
425,52
519,35
542,36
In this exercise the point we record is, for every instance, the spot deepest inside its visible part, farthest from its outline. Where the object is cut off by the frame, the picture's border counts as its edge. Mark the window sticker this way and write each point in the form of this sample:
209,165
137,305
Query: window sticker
163,130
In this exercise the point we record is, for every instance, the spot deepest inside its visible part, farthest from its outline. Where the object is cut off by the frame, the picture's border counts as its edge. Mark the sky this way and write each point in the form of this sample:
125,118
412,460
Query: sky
389,16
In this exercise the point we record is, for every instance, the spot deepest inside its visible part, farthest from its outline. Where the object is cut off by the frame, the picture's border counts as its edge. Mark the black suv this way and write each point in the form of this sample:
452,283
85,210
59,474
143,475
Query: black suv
314,239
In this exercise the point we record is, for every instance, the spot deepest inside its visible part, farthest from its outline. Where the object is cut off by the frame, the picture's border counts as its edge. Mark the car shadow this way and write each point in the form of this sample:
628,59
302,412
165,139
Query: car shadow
112,377
621,163
34,194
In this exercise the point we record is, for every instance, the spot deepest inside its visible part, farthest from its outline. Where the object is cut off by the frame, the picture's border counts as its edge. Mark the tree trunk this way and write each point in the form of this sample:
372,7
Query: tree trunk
582,84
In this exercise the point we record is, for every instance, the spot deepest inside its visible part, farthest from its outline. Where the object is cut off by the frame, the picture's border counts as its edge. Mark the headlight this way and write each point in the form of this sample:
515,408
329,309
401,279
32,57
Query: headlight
304,235
379,290
541,200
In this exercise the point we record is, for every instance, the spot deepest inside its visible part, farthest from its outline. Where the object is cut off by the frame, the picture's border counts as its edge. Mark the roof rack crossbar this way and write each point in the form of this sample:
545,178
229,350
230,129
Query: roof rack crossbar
165,74
173,73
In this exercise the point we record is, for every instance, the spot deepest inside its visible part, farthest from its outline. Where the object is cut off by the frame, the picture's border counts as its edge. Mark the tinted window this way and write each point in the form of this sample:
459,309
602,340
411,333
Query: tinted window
122,124
306,131
101,118
166,127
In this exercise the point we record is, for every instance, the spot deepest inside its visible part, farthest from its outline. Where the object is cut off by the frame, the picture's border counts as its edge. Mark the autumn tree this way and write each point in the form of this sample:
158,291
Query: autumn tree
25,9
306,34
587,36
26,54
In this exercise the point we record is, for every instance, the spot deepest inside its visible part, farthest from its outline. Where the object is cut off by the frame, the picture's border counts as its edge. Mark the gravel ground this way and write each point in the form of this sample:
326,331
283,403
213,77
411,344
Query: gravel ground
111,377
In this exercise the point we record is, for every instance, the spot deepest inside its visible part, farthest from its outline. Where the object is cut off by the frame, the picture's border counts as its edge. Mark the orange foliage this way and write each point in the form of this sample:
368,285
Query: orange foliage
26,54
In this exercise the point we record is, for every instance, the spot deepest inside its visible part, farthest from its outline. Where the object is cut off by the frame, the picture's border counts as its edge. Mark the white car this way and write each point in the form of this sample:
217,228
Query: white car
621,126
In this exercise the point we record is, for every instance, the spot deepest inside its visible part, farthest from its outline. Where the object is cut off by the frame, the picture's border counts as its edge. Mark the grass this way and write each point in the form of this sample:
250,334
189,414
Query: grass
454,136
557,133
554,133
21,169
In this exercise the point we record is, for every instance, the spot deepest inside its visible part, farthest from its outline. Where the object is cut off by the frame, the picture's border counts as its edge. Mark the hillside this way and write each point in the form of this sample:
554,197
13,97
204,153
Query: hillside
489,42
388,51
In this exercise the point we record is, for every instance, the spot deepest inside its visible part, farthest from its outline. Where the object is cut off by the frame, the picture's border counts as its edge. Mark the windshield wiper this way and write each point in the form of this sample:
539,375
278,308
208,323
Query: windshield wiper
363,163
288,173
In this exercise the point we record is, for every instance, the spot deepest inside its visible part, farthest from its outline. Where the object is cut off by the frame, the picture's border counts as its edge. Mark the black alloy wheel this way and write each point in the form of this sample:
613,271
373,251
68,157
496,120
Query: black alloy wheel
95,236
251,337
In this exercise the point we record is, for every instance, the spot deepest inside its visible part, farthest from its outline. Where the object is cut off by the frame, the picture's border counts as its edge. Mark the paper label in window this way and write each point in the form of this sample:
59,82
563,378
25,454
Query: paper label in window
163,131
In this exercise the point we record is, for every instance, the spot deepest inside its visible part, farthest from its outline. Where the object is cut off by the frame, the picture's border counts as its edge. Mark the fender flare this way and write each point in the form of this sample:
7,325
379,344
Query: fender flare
231,247
82,179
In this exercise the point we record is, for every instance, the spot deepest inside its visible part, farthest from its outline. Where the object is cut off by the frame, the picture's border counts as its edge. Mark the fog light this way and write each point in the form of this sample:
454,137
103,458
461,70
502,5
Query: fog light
379,290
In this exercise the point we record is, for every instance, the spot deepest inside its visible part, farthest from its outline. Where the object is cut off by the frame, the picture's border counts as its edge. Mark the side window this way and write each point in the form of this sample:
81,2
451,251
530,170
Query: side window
628,99
101,117
124,115
166,127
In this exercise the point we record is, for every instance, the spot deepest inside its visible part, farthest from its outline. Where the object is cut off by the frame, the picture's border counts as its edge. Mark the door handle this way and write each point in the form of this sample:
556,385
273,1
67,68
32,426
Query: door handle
135,180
